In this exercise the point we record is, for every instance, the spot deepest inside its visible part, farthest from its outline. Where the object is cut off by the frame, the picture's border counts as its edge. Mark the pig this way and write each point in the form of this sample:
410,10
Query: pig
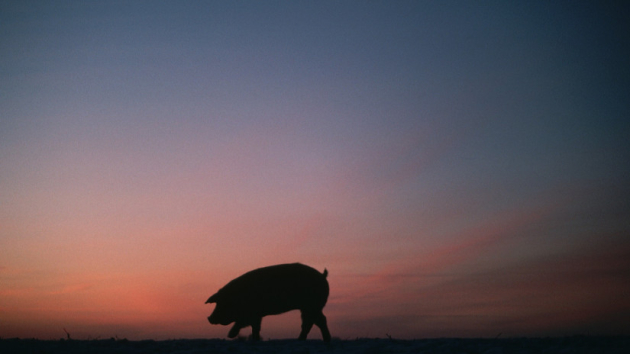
271,291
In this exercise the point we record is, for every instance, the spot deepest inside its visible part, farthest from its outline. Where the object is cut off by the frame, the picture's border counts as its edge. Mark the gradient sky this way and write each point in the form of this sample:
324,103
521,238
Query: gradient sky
460,168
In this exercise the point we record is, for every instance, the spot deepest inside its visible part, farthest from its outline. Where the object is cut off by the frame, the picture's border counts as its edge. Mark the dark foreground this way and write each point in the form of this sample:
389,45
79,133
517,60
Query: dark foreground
578,344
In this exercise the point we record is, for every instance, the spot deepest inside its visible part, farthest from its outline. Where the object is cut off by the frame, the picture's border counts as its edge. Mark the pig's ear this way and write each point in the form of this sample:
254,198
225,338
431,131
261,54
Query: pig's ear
212,298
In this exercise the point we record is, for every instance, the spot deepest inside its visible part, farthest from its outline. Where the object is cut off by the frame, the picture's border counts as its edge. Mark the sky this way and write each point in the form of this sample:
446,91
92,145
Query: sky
461,169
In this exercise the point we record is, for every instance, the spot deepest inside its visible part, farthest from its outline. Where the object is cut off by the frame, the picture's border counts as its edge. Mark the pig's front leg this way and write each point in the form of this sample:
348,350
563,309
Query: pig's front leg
256,328
235,329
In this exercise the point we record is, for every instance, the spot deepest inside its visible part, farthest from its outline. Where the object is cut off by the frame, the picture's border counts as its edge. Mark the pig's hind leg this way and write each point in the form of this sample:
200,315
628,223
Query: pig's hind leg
321,322
307,323
314,317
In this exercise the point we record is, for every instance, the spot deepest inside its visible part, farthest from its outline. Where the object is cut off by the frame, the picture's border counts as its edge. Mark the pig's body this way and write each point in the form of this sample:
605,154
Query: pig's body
270,291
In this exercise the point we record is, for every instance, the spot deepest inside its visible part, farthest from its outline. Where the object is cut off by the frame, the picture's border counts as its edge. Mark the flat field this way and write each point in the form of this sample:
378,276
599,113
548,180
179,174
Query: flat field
576,344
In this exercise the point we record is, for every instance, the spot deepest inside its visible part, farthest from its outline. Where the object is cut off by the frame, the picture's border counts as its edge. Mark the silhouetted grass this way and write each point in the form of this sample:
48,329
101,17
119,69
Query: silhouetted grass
575,344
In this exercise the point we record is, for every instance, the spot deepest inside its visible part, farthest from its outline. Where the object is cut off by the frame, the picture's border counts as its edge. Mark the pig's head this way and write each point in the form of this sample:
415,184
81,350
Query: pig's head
223,313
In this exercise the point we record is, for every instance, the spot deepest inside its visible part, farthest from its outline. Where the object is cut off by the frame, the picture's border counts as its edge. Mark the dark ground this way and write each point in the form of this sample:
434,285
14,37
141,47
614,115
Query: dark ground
577,344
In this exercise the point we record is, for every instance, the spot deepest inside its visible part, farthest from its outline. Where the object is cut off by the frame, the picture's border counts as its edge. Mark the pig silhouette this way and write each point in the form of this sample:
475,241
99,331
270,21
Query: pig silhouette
270,291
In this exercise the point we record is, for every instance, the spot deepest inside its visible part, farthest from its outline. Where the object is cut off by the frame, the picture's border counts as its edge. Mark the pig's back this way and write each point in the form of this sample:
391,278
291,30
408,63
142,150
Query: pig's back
280,288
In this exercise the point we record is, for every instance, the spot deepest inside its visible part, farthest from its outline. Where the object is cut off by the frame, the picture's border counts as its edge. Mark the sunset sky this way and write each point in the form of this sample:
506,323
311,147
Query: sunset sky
461,168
